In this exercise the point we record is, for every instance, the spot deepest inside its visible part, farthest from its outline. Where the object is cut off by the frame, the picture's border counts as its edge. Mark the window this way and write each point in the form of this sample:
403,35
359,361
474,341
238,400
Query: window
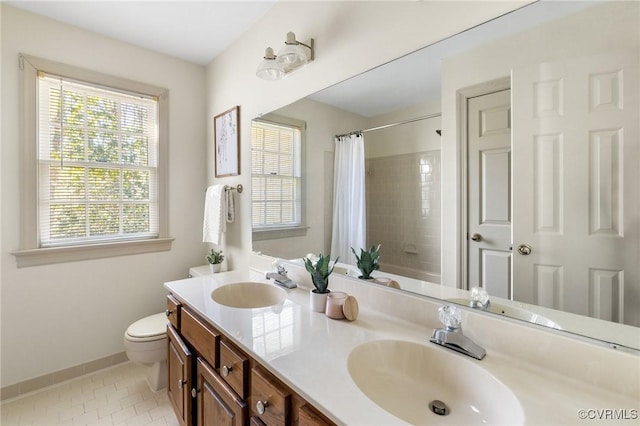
95,161
276,175
97,157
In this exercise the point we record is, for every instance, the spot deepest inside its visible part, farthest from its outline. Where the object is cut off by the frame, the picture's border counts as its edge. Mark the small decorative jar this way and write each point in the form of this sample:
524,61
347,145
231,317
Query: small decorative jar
335,301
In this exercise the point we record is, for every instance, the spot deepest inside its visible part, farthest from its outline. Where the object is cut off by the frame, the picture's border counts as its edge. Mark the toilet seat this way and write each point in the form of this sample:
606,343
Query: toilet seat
151,328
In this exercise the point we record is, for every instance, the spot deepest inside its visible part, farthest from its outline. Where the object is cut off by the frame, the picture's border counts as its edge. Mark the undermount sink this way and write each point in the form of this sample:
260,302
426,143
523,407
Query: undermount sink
248,295
515,313
405,379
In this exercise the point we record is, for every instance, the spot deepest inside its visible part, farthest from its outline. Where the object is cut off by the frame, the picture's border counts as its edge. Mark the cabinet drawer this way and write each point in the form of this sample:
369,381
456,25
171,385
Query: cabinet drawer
173,311
234,368
270,399
202,337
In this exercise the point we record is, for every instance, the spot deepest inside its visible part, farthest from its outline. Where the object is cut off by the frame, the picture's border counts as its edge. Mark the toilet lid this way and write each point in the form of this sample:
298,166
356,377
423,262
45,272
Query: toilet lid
151,326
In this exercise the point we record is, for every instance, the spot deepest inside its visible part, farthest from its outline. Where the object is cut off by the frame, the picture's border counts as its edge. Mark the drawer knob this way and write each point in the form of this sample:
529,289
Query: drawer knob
261,406
226,370
181,383
168,312
194,393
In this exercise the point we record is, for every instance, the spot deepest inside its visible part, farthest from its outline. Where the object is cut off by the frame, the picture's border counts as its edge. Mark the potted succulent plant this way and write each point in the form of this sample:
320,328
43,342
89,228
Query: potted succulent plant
367,262
320,272
215,259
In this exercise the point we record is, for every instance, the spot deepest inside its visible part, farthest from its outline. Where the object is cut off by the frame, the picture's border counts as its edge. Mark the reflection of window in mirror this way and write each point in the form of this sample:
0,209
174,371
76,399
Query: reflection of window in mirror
276,178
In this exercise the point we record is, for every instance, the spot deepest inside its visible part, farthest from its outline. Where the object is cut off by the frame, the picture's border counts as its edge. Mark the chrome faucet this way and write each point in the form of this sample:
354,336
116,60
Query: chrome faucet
479,299
281,277
451,336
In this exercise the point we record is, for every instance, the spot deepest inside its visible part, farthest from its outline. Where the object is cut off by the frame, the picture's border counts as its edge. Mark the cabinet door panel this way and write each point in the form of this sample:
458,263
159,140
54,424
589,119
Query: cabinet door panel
217,403
179,361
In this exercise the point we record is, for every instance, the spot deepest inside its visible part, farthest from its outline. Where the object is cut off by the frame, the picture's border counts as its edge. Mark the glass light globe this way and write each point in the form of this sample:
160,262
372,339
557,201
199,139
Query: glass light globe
292,55
269,68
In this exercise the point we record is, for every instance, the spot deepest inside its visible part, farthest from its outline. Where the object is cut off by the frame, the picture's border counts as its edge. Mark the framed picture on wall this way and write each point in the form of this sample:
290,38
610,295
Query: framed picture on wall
226,130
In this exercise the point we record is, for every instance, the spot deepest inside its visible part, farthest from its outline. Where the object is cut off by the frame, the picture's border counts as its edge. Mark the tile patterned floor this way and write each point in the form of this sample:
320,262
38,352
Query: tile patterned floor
115,396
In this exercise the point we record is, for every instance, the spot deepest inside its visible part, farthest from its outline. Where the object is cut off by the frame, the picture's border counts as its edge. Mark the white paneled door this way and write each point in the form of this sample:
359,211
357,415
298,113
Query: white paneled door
489,193
576,195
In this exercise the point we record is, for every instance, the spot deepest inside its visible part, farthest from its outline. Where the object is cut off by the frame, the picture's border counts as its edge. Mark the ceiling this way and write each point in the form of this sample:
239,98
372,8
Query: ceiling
196,31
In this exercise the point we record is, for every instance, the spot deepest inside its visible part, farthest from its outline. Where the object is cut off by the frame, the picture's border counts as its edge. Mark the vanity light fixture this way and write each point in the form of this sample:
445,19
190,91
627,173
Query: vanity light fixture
292,56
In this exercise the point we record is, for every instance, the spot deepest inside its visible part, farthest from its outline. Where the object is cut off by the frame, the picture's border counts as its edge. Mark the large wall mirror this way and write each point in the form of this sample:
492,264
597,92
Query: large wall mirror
537,115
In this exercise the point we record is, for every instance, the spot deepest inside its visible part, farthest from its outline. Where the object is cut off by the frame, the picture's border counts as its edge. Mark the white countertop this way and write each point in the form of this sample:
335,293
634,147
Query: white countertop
308,351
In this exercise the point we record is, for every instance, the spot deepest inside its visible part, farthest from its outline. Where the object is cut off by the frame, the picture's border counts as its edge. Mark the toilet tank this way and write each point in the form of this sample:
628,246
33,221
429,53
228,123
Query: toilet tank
198,271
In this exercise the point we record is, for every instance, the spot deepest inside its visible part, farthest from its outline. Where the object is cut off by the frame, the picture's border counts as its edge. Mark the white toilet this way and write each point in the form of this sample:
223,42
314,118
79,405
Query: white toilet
145,342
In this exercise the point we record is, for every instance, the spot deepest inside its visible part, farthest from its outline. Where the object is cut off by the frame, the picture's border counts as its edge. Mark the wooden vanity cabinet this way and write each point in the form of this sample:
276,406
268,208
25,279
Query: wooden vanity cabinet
212,382
255,421
308,416
179,382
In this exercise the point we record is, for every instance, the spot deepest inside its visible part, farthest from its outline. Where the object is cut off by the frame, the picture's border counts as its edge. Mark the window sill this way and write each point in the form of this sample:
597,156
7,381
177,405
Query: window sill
276,233
46,256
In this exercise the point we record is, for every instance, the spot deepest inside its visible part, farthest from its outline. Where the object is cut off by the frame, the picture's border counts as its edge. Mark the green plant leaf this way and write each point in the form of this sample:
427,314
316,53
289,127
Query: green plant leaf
320,272
368,260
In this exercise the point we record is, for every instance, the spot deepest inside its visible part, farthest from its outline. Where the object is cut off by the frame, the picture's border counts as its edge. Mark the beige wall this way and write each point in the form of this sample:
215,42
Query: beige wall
58,316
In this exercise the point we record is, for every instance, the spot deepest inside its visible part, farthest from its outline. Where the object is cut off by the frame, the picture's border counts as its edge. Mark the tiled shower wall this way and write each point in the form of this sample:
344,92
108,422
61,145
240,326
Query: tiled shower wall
403,211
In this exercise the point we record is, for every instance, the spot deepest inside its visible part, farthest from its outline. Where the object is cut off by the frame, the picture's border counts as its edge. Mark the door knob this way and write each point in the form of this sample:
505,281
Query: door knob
476,237
524,249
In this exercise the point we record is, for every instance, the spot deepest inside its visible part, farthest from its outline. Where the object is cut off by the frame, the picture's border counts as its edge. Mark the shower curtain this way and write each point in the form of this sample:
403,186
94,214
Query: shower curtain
349,207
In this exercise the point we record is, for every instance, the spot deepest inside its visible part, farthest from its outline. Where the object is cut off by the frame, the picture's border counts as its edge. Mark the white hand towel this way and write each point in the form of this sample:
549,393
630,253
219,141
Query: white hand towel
229,203
214,224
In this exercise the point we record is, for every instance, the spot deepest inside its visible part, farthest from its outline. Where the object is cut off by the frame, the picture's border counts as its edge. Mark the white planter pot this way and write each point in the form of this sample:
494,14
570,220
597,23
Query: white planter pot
215,267
317,301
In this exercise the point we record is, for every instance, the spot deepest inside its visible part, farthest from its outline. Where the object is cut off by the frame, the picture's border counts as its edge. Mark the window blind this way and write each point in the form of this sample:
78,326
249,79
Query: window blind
97,163
275,175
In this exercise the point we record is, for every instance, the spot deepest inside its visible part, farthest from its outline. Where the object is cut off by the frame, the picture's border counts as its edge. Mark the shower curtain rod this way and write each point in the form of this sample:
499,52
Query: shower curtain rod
411,120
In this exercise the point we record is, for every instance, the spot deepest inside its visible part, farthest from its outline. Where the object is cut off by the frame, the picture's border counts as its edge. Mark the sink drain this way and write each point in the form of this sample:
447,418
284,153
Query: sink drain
438,407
